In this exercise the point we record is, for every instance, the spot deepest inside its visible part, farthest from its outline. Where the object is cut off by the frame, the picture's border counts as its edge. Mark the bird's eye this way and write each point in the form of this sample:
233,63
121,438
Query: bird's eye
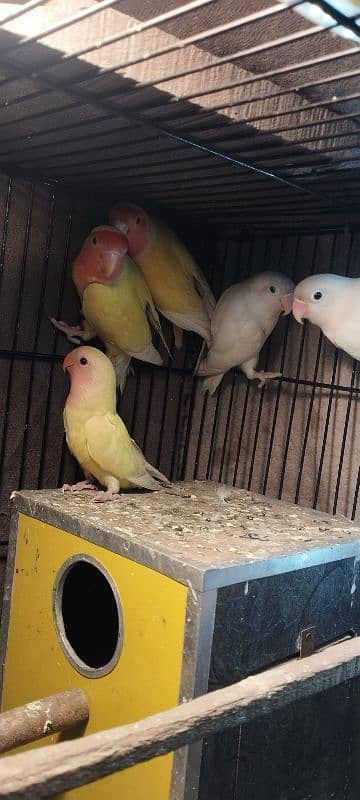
317,295
94,240
83,361
138,220
272,289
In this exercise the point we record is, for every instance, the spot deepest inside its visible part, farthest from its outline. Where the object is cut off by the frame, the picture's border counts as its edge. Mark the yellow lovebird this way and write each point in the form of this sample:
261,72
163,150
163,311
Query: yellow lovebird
116,302
178,286
95,433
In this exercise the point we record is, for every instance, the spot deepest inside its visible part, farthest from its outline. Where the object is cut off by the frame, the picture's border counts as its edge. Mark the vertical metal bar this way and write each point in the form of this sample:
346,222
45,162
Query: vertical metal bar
247,392
148,409
36,337
53,350
312,396
194,381
233,380
15,336
356,495
5,228
331,394
182,470
206,400
163,414
280,384
298,368
261,401
344,437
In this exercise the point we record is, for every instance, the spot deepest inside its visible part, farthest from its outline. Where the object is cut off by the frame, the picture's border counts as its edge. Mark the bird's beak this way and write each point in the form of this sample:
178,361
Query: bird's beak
122,227
287,303
68,362
299,310
111,263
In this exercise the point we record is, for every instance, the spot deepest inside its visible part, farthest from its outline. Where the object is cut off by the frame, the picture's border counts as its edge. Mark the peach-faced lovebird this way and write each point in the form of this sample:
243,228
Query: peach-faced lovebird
242,321
332,302
96,435
116,301
178,286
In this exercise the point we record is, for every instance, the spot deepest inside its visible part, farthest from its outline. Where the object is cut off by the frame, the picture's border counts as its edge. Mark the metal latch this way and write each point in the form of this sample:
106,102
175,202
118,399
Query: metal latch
307,641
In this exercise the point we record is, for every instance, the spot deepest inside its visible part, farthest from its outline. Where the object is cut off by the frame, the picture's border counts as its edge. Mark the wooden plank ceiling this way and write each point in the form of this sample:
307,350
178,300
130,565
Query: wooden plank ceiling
223,113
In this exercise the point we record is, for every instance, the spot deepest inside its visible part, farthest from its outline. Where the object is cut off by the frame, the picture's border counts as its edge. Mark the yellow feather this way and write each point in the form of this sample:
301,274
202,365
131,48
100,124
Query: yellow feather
118,312
98,438
171,272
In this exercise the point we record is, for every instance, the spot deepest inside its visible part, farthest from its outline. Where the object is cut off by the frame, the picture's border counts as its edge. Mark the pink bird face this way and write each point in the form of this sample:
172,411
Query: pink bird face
101,258
91,374
317,297
134,223
78,364
300,310
287,303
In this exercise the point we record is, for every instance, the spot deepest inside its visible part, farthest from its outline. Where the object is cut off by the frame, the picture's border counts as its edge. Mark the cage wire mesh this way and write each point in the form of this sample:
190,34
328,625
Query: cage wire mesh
239,123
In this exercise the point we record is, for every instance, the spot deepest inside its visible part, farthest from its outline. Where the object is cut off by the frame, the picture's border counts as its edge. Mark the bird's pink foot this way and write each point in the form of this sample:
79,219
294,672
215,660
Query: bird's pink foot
262,377
106,497
78,487
73,333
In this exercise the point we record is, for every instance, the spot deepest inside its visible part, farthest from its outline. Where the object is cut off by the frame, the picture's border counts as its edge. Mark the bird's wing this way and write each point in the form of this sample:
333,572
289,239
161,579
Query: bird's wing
111,447
152,470
233,344
147,303
189,266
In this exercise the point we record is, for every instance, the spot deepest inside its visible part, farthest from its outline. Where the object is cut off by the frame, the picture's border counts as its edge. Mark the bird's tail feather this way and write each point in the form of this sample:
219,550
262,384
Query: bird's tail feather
211,383
199,358
198,322
149,354
156,474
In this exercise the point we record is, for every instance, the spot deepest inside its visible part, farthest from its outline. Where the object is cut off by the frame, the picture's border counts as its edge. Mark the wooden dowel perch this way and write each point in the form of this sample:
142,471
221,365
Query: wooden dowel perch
58,712
60,767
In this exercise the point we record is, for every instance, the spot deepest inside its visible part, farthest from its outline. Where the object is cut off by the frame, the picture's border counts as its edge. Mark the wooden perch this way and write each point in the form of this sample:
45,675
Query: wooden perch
58,712
64,766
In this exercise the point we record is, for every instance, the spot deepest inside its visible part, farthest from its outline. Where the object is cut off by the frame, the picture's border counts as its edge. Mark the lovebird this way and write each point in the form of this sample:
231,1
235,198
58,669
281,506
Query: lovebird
95,433
116,301
332,302
177,284
243,319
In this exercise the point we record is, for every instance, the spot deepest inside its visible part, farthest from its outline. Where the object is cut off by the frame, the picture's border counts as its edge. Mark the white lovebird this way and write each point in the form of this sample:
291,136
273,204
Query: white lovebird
332,302
243,319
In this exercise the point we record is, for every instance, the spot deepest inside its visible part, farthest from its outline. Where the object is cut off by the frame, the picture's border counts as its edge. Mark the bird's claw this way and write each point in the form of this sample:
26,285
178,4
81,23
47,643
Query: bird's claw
73,333
262,377
105,497
78,487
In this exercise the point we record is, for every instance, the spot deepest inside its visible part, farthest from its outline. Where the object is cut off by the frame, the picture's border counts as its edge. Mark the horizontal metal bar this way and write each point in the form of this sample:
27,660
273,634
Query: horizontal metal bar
134,30
216,62
205,116
344,20
197,166
80,16
262,145
210,33
325,103
21,11
86,97
258,77
237,102
54,357
352,115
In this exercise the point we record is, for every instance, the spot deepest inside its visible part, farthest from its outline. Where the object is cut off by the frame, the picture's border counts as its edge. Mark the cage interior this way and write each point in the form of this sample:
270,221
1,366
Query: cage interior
238,123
